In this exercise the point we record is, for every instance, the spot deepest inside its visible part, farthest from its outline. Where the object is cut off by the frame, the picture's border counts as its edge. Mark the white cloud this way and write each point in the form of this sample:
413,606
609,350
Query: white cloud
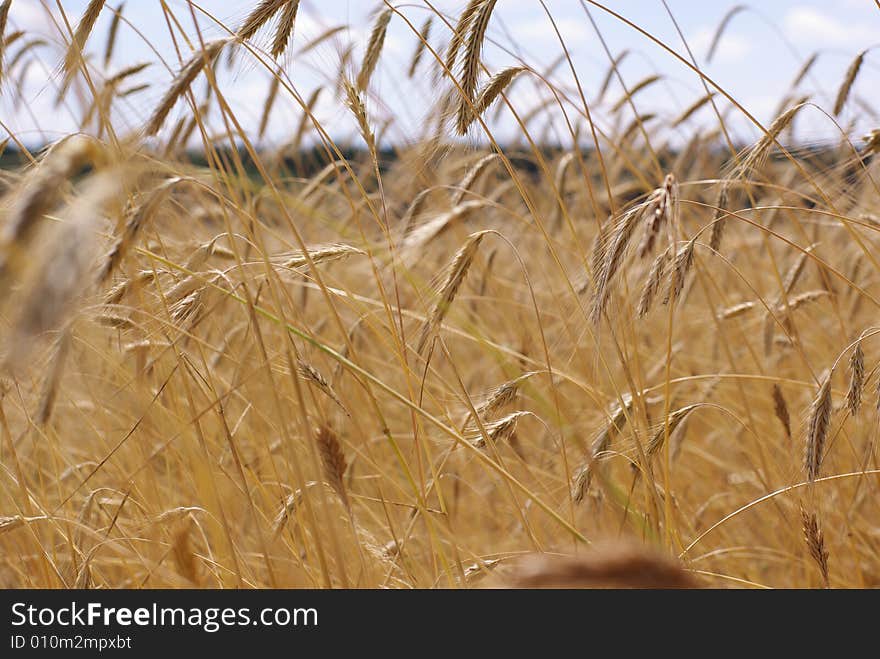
732,46
809,25
30,16
858,5
541,32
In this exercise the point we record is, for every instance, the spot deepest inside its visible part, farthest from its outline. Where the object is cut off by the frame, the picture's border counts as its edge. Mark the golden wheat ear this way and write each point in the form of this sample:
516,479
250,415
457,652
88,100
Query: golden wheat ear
4,19
816,543
374,49
473,48
848,81
333,461
181,84
856,380
817,428
80,36
424,36
285,27
260,16
780,409
64,267
455,275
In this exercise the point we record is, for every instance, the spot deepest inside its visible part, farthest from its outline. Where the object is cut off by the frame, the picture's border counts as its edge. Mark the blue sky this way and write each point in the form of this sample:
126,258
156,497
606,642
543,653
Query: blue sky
762,50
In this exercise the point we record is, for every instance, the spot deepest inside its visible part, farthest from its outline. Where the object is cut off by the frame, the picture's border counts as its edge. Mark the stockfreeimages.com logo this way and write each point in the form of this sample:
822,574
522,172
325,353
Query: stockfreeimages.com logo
212,619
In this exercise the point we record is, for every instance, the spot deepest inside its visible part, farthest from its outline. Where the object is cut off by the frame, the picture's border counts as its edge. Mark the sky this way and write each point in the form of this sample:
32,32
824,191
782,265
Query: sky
762,49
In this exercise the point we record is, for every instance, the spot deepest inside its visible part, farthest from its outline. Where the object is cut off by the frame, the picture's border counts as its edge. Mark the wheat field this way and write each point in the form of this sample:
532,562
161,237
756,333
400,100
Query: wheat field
342,361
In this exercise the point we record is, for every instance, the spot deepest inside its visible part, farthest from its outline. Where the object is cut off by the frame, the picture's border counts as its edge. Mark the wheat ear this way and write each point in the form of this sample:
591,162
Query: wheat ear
780,409
455,275
473,48
284,30
333,461
817,428
4,19
848,81
374,49
261,14
182,81
816,543
424,34
460,32
112,31
471,177
856,379
81,35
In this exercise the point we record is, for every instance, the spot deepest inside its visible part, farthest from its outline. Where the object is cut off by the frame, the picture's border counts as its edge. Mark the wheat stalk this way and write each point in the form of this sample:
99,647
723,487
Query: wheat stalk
308,113
8,524
185,559
782,302
126,72
413,211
